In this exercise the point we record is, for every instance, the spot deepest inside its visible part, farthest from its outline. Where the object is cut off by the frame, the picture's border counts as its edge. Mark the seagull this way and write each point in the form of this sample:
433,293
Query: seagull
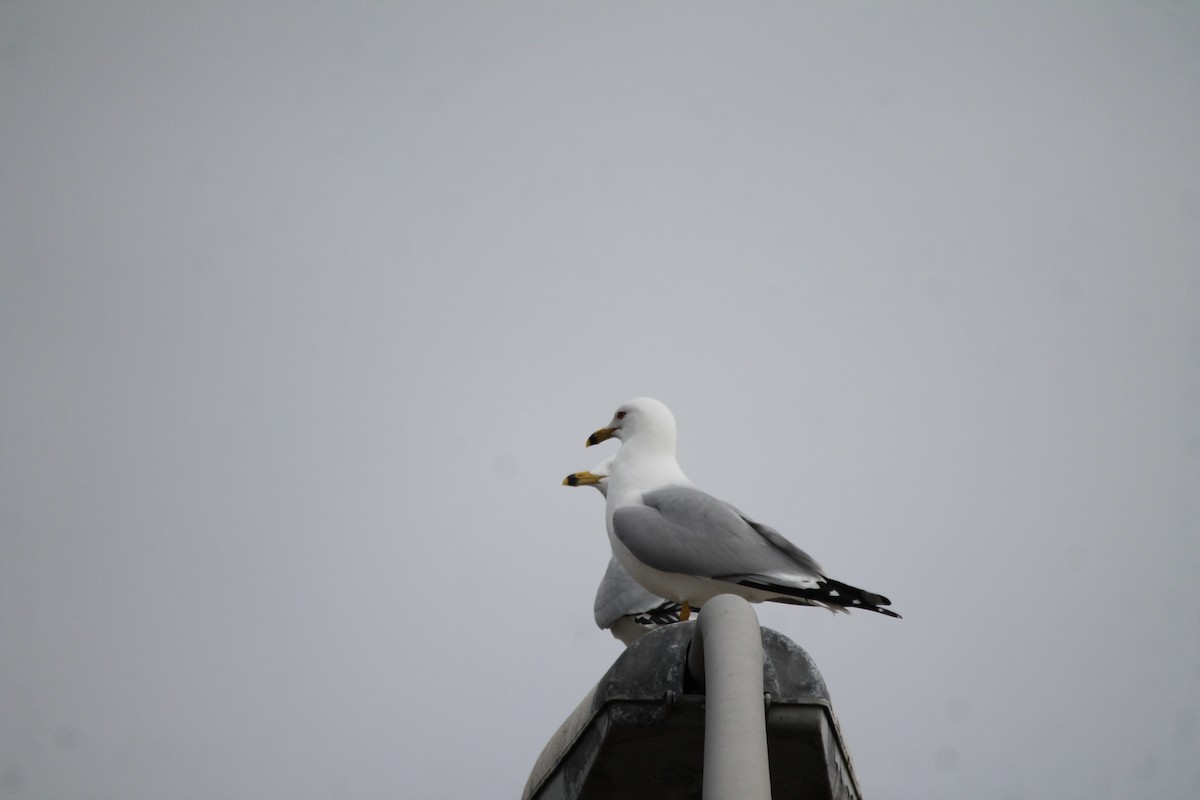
686,545
622,605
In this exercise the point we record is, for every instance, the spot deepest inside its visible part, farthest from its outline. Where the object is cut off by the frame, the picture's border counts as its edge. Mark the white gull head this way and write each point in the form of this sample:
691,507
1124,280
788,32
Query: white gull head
646,460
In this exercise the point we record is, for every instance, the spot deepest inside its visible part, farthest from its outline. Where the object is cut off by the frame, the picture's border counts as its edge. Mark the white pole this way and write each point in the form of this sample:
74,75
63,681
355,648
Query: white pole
726,656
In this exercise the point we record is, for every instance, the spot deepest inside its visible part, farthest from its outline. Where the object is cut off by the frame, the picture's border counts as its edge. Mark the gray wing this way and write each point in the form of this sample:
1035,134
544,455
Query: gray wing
779,540
684,530
619,595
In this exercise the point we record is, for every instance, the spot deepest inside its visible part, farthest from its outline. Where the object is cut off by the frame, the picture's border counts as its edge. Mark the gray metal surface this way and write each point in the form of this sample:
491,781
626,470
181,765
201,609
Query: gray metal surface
726,660
640,732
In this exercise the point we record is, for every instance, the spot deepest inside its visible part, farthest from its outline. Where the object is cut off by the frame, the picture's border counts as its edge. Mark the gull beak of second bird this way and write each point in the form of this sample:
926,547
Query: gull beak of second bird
584,478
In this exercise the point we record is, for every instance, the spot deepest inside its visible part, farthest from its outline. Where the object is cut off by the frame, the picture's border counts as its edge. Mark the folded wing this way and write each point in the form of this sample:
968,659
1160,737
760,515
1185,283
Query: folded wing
684,530
619,595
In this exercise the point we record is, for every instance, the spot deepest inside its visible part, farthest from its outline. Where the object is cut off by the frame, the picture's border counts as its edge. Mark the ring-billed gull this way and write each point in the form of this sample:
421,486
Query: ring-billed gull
685,545
623,606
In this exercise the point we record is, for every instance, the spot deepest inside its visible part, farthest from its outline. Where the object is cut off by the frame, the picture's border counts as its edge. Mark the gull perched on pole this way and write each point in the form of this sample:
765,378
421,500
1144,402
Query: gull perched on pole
687,546
623,606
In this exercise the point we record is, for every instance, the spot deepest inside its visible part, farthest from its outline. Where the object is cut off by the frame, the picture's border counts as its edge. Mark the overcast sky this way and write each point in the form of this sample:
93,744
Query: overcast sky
307,308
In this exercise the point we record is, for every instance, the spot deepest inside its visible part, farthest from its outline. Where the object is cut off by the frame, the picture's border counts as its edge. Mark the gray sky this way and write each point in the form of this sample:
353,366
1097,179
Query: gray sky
306,310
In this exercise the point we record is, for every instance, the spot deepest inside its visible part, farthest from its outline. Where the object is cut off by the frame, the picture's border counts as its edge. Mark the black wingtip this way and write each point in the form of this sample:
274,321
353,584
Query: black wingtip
830,593
665,614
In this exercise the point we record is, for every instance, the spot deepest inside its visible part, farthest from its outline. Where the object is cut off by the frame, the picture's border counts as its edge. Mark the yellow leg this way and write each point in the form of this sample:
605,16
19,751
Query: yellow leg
685,612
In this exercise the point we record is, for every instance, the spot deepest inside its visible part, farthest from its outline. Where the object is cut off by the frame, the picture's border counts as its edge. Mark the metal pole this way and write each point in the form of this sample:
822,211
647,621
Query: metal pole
726,656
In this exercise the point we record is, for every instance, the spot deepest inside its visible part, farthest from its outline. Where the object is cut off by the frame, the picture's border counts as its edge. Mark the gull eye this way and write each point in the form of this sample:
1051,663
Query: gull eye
620,415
